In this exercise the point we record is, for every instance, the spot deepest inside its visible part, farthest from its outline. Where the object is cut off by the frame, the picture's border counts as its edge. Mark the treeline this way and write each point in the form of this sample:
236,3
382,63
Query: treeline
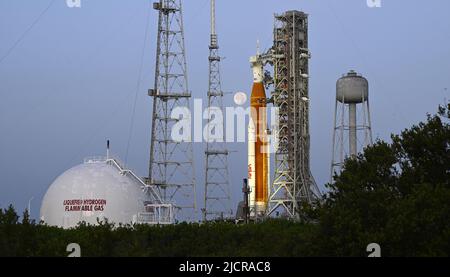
395,194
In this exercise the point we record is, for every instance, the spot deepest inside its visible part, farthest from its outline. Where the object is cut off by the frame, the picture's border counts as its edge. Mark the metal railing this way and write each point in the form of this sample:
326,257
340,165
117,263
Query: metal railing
155,213
94,159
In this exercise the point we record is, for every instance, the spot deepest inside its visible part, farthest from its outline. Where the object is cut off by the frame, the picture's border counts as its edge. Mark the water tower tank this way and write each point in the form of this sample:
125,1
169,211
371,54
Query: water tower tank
96,189
352,88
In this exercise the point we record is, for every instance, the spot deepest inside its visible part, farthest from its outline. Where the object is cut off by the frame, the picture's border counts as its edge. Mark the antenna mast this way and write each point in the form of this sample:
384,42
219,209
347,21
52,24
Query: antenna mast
217,201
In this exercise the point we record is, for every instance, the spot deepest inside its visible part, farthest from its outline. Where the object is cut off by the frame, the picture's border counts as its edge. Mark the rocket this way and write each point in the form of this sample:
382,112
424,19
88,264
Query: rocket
258,144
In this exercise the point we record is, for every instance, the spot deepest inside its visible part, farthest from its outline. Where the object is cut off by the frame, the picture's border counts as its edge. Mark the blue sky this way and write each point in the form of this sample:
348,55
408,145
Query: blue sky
69,83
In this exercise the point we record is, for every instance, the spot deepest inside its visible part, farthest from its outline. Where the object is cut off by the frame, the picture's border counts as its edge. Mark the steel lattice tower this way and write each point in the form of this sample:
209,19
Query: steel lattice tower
171,166
293,182
217,201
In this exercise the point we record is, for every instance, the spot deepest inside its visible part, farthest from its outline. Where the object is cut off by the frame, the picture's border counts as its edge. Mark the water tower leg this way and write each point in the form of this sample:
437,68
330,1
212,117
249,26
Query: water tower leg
352,129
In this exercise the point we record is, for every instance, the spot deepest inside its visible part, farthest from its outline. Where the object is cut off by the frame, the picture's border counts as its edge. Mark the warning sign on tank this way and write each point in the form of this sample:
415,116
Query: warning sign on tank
77,205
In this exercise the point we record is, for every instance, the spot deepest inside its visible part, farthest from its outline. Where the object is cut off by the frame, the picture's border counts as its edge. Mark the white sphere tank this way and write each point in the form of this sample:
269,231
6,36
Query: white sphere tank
93,190
352,88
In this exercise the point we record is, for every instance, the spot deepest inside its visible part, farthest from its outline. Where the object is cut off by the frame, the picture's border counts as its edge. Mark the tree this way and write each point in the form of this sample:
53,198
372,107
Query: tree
396,194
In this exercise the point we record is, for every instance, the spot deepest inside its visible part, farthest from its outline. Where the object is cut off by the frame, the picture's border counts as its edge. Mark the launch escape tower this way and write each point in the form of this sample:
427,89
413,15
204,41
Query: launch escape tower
352,128
293,182
171,167
217,200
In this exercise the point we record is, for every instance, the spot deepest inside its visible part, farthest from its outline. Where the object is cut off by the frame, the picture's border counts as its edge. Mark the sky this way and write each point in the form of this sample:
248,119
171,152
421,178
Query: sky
68,77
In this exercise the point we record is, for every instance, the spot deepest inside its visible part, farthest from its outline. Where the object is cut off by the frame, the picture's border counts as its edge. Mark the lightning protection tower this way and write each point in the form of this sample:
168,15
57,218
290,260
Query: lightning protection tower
171,167
217,201
352,128
293,182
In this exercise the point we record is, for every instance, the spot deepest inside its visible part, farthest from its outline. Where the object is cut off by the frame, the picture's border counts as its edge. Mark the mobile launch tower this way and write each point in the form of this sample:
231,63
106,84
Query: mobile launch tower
293,182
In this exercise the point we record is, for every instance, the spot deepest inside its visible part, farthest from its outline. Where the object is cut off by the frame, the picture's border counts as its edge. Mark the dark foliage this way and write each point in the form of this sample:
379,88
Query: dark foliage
395,194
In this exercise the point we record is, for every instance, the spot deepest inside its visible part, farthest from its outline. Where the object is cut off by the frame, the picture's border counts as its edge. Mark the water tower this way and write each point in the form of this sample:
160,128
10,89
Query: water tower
352,128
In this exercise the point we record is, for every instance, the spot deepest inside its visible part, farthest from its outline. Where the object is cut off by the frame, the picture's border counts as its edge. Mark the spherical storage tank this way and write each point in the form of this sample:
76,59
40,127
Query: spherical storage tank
96,189
352,88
